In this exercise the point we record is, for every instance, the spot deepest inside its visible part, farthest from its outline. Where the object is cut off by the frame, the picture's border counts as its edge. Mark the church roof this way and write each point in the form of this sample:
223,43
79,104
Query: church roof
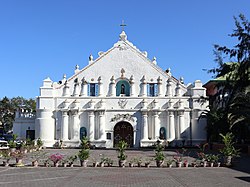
124,44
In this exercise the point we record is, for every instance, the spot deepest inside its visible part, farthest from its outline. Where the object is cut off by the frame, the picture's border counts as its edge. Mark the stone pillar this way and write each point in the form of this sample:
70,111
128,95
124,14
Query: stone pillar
91,125
143,87
66,89
132,86
156,125
171,125
144,129
76,89
100,84
178,90
102,125
169,88
112,87
159,81
76,127
65,125
181,121
84,88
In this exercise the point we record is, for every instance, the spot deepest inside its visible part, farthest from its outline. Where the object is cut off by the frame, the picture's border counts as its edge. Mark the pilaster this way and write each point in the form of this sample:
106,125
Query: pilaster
102,124
156,124
144,128
91,116
171,125
65,125
76,127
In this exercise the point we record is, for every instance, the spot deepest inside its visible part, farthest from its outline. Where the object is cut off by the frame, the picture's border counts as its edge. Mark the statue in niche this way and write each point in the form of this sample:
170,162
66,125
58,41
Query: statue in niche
122,89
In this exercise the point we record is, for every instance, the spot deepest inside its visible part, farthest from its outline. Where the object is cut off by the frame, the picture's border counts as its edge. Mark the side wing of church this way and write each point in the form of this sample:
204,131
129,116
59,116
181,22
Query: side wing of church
121,95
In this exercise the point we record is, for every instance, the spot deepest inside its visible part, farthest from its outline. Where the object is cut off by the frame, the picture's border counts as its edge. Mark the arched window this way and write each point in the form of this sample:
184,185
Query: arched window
83,132
163,133
123,87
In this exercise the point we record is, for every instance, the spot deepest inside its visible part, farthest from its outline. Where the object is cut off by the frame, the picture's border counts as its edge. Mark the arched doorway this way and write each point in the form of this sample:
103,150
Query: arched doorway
163,133
123,131
83,132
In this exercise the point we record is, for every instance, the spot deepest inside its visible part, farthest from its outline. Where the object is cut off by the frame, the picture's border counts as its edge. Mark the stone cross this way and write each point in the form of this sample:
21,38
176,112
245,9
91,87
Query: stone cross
123,25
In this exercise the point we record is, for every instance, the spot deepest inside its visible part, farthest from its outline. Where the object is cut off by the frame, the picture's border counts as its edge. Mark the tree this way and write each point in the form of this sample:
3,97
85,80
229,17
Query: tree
235,89
8,108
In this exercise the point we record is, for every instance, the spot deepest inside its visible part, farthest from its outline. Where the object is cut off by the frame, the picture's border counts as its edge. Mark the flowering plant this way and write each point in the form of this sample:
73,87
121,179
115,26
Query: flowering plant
56,157
201,155
178,156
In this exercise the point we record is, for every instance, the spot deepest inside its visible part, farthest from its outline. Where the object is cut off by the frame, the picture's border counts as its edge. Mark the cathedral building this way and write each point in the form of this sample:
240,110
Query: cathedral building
121,95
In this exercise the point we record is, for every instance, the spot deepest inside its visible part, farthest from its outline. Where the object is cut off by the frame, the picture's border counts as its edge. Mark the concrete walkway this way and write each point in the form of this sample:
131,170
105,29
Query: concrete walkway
125,177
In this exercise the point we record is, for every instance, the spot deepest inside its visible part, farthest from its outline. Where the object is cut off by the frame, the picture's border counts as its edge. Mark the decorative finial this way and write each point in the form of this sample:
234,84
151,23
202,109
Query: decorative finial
122,73
91,58
154,61
181,80
76,69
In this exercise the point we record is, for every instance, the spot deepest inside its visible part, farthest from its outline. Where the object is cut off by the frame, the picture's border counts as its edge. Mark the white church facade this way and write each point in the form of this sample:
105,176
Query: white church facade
121,95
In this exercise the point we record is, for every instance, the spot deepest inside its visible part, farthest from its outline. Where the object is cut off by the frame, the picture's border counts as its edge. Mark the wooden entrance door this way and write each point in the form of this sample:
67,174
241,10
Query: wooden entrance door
123,131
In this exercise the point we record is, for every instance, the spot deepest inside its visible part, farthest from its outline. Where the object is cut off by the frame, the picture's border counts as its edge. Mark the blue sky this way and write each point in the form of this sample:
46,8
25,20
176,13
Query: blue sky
47,38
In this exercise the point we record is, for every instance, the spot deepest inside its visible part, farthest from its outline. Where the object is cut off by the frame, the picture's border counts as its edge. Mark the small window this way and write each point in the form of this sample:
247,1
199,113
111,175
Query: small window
152,89
108,136
93,89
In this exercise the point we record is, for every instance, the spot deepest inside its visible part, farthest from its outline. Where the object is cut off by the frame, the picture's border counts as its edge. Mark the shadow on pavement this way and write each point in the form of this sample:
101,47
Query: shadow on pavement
242,164
247,179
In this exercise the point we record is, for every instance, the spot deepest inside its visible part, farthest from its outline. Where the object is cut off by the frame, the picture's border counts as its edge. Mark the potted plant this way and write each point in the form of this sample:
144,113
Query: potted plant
23,147
178,160
94,161
138,161
170,163
65,162
148,162
131,162
36,156
212,159
71,160
12,146
55,158
229,152
46,162
103,160
83,154
122,145
5,155
203,158
195,163
185,163
39,143
159,155
18,155
109,162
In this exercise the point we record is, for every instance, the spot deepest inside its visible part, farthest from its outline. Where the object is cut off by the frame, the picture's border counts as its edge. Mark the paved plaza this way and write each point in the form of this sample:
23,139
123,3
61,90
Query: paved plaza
124,177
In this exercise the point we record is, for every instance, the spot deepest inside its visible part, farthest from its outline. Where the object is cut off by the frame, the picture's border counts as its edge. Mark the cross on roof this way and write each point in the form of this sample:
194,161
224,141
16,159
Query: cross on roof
123,25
